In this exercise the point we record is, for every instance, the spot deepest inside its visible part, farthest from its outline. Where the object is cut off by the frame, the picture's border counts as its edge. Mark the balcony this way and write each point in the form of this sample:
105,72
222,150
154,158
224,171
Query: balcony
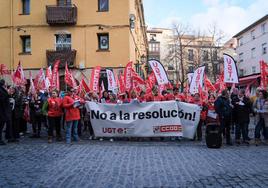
61,15
65,56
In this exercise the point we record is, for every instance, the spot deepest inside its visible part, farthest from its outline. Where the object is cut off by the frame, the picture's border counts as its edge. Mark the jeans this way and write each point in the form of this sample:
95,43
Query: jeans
225,128
241,128
260,126
69,125
54,123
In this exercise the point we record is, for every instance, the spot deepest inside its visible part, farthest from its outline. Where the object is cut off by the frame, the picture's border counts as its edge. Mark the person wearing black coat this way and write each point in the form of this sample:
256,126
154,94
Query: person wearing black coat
5,110
242,109
224,109
36,116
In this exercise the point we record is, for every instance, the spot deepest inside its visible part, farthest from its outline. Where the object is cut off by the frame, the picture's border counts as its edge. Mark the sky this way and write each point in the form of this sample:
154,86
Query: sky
230,16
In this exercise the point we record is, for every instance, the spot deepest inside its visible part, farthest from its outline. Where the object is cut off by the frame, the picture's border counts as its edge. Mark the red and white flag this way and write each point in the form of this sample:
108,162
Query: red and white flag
18,76
128,77
69,79
190,77
230,70
159,72
111,81
95,77
197,80
32,87
122,88
3,70
55,76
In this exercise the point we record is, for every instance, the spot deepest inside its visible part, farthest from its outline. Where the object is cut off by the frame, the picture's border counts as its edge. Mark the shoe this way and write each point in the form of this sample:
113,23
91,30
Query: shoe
257,141
58,139
90,138
229,143
2,143
49,139
21,134
237,142
246,142
33,136
111,139
101,139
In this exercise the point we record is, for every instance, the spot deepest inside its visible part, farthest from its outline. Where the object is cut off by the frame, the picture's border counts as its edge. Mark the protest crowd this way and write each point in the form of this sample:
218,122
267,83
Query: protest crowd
64,116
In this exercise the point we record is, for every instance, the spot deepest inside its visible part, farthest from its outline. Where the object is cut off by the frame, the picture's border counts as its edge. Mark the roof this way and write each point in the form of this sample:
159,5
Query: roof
252,25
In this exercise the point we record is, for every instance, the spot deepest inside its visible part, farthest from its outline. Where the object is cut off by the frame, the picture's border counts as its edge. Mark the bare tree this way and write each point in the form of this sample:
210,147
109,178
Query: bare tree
177,52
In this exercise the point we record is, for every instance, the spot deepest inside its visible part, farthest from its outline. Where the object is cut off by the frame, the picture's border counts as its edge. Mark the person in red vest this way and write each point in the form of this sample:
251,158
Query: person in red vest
196,100
54,113
212,116
154,96
142,97
71,103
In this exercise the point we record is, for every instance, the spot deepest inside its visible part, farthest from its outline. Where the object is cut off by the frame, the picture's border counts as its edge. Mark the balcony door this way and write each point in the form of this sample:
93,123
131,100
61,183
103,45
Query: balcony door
63,42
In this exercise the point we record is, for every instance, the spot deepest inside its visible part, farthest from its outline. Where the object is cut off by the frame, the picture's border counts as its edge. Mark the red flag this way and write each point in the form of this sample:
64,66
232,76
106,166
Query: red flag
18,76
208,84
3,69
102,89
200,91
94,81
39,81
85,86
247,92
122,88
69,79
55,76
128,76
264,74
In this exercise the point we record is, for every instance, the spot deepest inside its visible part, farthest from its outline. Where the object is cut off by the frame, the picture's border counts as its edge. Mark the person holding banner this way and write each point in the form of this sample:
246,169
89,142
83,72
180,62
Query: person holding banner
224,110
71,103
154,96
142,97
197,101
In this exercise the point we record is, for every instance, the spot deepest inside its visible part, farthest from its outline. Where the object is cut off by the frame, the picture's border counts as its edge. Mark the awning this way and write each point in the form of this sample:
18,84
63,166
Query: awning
252,79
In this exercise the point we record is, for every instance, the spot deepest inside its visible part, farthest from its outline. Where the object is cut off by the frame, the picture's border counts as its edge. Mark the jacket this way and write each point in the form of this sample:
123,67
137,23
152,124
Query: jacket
54,107
5,109
72,113
242,110
223,108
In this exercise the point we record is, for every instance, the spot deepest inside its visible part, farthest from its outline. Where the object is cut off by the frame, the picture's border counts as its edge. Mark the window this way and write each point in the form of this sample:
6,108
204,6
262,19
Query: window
154,47
64,2
264,48
263,28
191,68
63,42
103,39
25,7
253,69
241,72
26,44
241,57
190,54
103,5
152,37
252,33
205,55
240,41
253,52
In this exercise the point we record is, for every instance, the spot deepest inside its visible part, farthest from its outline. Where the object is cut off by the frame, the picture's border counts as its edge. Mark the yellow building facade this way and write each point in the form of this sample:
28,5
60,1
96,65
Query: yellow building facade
82,33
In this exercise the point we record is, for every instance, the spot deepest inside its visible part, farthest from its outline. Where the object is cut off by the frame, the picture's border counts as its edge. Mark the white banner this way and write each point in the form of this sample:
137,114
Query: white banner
153,119
230,71
111,80
190,77
159,72
197,80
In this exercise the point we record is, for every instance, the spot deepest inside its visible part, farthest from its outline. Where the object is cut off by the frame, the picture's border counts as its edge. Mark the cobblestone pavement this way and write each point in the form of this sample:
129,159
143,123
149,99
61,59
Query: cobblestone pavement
131,164
34,163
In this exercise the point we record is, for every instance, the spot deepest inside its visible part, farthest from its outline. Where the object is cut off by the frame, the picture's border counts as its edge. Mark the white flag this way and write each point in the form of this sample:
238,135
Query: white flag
197,80
159,72
230,71
190,77
111,80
